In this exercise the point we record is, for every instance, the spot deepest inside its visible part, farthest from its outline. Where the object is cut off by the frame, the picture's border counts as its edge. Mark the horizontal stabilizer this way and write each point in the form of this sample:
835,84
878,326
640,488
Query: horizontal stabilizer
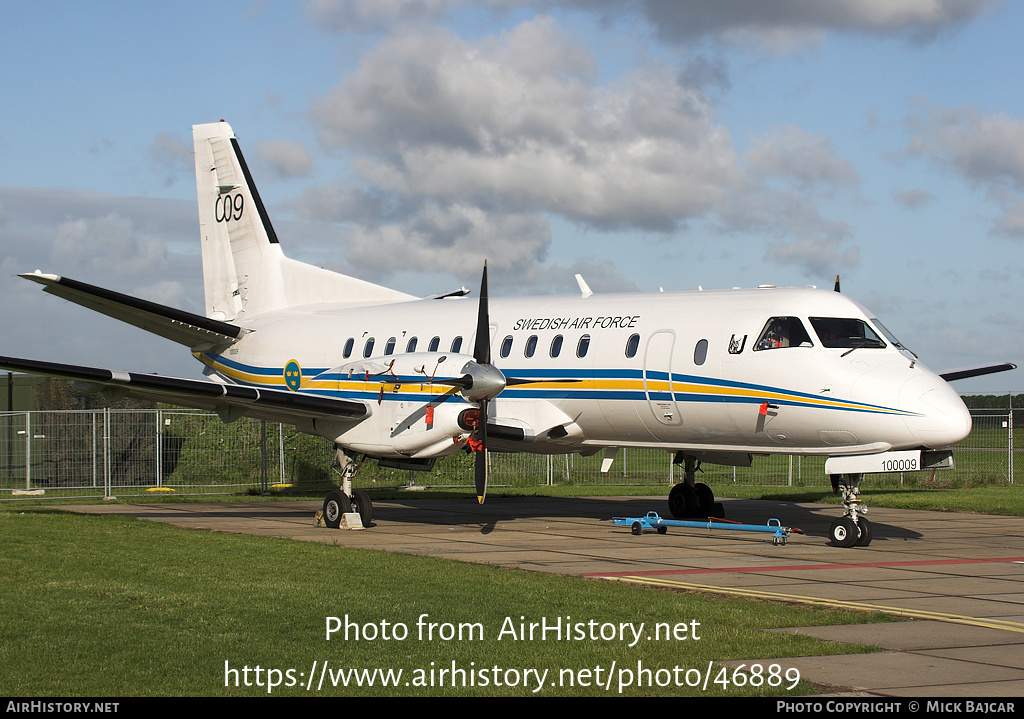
228,400
192,330
955,374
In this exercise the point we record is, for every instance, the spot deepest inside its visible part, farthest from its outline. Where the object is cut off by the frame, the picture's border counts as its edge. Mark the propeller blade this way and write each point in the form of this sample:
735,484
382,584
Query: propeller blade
481,355
463,382
482,349
515,381
480,461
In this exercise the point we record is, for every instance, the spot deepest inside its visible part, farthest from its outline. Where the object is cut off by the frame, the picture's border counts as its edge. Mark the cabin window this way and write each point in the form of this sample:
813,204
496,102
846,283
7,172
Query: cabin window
556,345
845,333
506,346
349,344
700,352
531,346
456,345
583,346
411,345
783,332
368,347
435,342
389,348
632,345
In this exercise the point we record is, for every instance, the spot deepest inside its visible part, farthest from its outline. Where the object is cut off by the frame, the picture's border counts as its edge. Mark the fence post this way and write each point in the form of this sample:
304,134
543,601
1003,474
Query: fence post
107,492
159,448
93,453
28,450
263,456
280,450
1010,424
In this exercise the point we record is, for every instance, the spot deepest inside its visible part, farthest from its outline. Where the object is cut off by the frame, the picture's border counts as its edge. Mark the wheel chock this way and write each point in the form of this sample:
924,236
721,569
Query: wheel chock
349,520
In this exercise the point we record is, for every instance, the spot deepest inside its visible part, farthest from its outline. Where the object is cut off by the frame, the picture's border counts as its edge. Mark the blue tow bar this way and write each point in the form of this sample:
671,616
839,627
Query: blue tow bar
652,521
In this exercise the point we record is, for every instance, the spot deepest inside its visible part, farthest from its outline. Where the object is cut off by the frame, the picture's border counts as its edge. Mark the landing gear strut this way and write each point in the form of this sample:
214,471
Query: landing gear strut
853,528
339,502
690,498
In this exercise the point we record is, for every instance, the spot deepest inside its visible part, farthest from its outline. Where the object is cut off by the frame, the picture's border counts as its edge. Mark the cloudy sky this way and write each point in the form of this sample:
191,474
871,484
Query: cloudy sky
642,143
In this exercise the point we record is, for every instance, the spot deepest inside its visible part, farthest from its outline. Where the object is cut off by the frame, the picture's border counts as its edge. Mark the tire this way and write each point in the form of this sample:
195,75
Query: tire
336,504
662,530
362,504
717,511
866,533
636,528
682,501
705,499
844,532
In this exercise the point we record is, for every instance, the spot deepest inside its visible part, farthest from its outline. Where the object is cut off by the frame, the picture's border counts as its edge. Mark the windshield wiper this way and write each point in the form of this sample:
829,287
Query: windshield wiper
864,342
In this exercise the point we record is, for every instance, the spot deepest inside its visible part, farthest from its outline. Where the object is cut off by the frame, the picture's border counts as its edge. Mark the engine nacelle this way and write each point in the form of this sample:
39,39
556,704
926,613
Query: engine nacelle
419,408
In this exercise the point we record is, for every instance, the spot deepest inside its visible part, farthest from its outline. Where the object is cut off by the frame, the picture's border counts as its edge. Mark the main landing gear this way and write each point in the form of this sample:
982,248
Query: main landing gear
690,498
852,529
342,501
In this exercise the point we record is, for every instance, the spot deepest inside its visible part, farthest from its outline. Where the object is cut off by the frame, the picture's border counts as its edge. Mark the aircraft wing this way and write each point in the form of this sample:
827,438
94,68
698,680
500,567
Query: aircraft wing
955,374
230,401
192,330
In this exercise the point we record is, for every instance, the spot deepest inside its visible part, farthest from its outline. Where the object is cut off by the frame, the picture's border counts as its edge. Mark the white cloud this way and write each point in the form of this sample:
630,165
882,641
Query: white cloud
789,23
285,158
986,150
803,157
343,16
914,199
775,24
457,238
515,123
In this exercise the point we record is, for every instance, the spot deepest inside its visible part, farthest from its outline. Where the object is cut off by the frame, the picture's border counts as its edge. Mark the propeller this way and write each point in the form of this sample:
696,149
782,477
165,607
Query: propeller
481,382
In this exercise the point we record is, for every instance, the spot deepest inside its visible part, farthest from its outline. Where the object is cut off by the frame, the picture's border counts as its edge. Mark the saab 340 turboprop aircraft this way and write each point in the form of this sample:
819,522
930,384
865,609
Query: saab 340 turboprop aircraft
712,376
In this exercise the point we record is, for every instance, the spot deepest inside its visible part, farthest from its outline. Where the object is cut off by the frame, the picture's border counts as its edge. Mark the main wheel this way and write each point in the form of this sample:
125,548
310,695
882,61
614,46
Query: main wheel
682,501
362,504
336,503
844,532
865,532
705,499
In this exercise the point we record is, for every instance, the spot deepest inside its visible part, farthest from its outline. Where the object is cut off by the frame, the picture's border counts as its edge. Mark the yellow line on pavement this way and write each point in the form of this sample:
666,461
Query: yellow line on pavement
1003,624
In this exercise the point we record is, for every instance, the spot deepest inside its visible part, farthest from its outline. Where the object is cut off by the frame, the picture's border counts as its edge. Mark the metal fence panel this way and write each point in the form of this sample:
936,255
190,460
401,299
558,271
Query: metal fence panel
130,453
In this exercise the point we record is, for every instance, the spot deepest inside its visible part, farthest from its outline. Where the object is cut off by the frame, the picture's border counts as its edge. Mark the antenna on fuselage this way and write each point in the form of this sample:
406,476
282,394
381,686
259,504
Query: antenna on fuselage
836,288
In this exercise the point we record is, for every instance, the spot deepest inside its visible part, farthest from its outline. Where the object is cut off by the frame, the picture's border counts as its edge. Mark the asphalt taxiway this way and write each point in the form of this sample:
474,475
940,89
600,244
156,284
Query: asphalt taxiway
956,579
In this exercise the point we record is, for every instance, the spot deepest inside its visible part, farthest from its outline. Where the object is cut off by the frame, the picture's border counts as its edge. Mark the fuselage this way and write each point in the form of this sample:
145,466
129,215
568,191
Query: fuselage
760,371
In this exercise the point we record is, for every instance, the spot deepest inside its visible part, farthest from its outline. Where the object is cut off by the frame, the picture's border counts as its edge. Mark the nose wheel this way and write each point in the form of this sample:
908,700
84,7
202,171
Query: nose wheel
852,529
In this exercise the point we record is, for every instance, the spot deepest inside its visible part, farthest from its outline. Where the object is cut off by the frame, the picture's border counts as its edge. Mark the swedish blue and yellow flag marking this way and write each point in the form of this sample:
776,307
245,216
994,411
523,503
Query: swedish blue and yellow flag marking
293,375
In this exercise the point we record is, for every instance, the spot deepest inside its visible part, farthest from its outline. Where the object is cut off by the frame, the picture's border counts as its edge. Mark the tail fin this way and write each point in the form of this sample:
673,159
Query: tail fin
245,273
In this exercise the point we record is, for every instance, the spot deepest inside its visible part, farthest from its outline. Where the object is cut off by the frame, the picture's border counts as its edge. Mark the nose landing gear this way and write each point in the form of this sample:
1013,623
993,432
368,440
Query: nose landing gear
853,528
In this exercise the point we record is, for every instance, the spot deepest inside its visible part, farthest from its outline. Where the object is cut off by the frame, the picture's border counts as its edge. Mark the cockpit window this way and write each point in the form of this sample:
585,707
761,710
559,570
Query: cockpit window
890,336
845,333
783,332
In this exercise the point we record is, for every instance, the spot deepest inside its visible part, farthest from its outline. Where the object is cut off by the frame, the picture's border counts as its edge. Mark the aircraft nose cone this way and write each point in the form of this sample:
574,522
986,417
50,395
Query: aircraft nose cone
942,419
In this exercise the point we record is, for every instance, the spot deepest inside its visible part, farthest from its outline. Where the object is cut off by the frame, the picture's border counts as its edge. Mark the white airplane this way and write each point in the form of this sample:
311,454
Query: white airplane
712,376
